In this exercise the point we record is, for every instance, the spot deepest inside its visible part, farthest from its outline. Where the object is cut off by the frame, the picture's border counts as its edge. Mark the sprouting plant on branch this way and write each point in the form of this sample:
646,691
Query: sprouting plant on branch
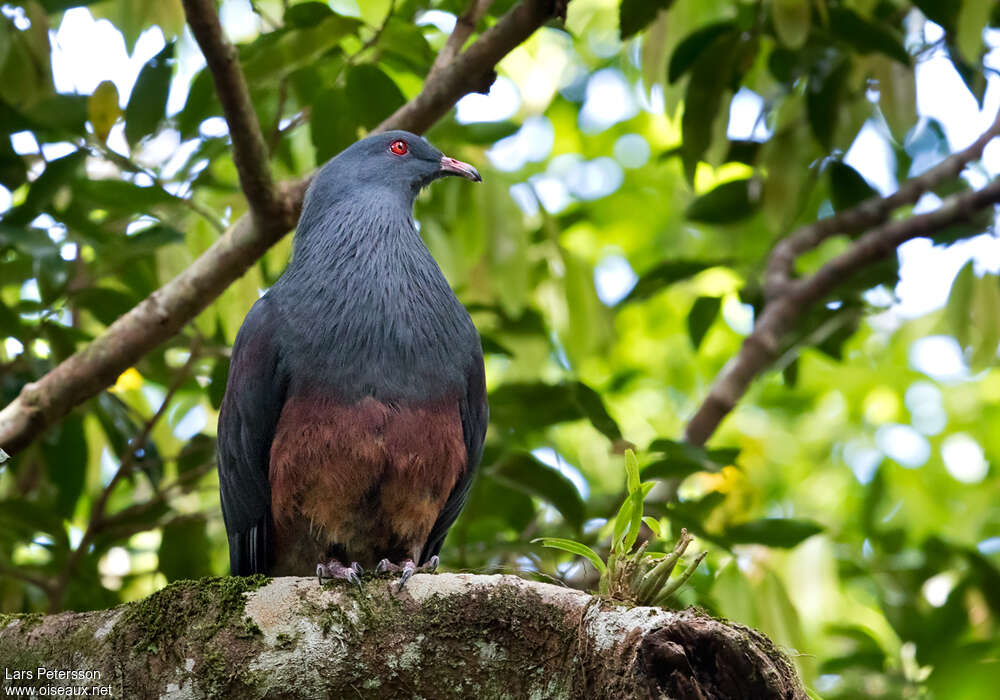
632,573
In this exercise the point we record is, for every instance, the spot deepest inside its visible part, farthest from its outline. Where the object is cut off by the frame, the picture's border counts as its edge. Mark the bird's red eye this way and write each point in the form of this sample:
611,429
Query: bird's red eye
399,147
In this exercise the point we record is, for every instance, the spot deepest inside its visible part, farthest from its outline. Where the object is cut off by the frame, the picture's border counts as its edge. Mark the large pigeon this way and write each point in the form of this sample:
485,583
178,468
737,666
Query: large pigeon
355,410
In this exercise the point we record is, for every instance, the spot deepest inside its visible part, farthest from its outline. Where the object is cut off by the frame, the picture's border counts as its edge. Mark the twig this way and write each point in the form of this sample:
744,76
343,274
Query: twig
464,26
249,148
780,314
276,127
165,311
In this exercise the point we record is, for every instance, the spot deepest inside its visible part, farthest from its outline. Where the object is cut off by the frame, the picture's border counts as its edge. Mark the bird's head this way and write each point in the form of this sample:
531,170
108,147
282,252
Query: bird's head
399,160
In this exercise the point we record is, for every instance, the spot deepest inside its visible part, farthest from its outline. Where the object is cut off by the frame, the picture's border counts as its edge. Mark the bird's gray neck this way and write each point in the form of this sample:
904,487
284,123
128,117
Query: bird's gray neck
344,234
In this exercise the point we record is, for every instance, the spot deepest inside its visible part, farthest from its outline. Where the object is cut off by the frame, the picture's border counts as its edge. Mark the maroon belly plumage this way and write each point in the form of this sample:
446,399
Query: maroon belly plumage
361,481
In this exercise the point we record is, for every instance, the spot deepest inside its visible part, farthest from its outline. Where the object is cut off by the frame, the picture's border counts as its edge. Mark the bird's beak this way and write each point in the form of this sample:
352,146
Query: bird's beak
450,166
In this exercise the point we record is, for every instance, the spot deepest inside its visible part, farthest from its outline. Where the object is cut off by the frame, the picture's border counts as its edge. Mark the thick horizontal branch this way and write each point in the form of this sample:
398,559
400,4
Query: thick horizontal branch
867,214
445,636
164,313
250,152
781,313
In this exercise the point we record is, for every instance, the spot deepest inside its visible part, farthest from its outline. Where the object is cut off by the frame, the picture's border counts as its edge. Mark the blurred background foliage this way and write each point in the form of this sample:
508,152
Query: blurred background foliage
639,161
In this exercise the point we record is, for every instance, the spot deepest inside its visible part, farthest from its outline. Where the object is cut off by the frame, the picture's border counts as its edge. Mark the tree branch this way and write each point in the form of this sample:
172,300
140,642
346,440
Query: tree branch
869,213
162,314
472,71
445,636
250,152
464,26
781,313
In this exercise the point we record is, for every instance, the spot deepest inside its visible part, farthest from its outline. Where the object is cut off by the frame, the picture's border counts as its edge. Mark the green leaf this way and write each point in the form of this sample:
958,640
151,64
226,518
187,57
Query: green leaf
307,14
56,175
133,17
491,346
636,15
957,309
847,187
573,547
654,525
54,6
105,304
23,519
52,273
147,106
65,452
972,21
202,102
404,46
103,110
827,85
985,321
13,170
525,473
666,273
728,203
24,59
669,469
631,471
743,152
147,241
681,459
866,36
711,77
791,21
701,317
537,405
476,133
693,45
494,511
217,387
185,550
773,532
120,195
372,94
196,454
626,527
332,125
275,55
943,12
897,89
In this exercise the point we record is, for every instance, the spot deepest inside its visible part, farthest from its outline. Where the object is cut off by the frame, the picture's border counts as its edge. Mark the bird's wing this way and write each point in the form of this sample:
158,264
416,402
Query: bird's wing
250,409
474,412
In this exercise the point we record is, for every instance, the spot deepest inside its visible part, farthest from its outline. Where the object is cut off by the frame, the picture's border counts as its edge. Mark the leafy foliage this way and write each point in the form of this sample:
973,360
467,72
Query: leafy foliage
612,260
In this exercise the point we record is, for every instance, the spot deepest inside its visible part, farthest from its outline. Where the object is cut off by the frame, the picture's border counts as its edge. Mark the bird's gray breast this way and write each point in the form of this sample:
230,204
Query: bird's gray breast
392,334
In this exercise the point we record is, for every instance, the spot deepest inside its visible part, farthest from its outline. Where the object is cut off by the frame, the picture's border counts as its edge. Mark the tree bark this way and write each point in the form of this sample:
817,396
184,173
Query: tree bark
444,636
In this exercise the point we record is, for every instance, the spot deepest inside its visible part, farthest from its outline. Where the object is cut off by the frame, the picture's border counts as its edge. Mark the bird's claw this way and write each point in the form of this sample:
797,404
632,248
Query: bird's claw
407,569
333,569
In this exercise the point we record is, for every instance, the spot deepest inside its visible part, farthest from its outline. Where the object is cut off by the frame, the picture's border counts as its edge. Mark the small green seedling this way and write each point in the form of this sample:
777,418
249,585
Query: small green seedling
631,573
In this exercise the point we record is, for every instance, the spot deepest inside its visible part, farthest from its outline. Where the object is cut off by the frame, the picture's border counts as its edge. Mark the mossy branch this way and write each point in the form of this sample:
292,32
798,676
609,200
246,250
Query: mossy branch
446,635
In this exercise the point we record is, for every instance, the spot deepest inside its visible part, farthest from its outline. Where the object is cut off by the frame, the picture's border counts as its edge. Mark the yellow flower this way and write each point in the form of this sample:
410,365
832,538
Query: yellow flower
128,380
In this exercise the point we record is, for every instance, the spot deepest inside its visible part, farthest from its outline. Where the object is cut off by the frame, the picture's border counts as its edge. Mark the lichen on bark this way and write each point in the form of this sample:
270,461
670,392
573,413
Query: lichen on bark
446,635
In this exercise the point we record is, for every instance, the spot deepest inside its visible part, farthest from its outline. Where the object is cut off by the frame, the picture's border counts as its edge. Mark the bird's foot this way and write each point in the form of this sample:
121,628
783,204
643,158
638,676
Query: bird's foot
407,569
333,569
